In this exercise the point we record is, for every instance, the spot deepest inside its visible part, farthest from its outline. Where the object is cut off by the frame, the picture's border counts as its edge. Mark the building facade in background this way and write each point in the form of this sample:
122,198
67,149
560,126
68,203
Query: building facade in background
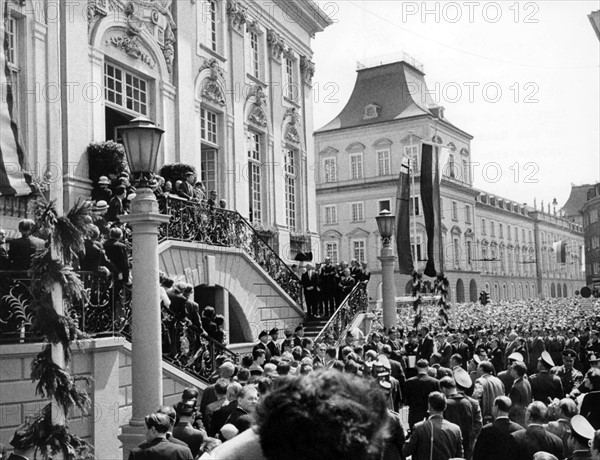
591,225
490,243
228,81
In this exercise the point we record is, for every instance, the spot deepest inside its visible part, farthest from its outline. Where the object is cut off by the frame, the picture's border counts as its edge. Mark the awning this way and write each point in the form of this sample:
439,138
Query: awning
13,179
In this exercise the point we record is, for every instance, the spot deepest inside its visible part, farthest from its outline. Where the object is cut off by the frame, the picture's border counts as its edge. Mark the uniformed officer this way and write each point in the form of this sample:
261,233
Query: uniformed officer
582,432
570,377
545,386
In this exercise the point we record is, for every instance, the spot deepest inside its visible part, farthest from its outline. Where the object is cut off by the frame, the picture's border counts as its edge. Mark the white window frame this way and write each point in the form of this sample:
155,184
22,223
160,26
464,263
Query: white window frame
209,168
467,214
290,183
332,250
329,171
412,152
254,149
361,250
384,162
357,211
254,44
356,166
415,205
213,25
290,77
120,90
330,214
209,127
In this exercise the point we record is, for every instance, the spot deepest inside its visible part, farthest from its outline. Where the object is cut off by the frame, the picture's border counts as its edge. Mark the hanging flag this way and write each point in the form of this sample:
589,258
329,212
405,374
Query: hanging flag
430,197
403,220
560,249
13,179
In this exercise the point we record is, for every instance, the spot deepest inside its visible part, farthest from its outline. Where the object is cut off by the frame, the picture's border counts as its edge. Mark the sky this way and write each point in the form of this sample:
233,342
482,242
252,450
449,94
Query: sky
522,77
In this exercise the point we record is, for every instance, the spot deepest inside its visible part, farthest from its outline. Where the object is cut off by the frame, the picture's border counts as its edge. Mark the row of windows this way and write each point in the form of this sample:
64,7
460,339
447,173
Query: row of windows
358,250
330,211
511,232
591,216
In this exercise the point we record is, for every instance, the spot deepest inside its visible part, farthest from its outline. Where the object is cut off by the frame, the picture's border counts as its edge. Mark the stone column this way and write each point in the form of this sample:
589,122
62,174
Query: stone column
146,353
388,291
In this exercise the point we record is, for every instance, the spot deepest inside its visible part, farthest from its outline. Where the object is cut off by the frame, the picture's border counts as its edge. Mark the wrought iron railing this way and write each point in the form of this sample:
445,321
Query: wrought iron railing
355,302
197,222
107,312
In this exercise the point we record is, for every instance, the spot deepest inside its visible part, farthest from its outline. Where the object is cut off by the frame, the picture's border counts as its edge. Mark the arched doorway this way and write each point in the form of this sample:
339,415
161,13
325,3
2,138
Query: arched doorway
460,291
565,292
559,290
512,291
519,291
473,294
496,293
552,290
504,291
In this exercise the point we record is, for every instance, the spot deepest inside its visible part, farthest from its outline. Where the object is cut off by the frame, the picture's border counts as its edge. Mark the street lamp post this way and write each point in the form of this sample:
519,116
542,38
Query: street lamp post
141,139
385,223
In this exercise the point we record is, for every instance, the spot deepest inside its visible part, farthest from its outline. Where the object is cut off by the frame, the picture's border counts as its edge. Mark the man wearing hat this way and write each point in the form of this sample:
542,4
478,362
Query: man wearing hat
570,377
263,339
273,345
545,386
506,376
102,192
298,335
582,433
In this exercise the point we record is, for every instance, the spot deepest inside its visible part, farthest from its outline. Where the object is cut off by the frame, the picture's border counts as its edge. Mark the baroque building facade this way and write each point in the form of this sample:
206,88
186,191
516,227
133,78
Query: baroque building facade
229,82
590,213
490,243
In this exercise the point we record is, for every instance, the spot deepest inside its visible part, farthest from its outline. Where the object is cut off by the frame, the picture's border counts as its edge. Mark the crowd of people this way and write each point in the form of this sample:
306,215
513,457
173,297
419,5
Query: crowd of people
325,285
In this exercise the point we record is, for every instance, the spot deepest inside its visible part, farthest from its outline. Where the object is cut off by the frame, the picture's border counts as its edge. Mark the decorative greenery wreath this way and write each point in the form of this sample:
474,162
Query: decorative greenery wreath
49,269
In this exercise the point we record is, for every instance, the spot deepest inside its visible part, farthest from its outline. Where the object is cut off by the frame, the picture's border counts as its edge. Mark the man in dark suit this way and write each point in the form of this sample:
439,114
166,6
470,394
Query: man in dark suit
93,256
520,393
417,391
184,431
115,206
545,386
522,444
116,252
444,349
241,417
23,249
328,285
263,338
425,349
310,285
434,438
186,189
221,415
273,346
156,446
491,443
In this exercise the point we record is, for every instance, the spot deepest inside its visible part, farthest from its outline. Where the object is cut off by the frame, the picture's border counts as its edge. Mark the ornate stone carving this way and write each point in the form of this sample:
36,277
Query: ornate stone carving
215,69
259,95
237,15
96,10
275,42
292,134
293,115
132,47
257,111
307,68
211,89
288,52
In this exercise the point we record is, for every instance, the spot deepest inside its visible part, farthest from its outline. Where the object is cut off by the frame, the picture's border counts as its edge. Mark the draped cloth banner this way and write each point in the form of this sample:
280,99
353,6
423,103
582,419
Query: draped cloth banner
430,197
405,260
560,249
13,179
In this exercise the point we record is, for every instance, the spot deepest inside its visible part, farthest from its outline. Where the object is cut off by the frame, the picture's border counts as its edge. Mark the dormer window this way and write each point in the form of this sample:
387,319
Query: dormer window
371,111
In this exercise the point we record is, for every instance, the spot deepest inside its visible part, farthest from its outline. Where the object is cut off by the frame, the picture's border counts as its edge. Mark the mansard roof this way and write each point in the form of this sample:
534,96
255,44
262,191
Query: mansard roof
398,88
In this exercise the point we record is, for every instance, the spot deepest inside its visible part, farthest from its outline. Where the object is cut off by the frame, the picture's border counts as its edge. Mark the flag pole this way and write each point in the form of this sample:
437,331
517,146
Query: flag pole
413,163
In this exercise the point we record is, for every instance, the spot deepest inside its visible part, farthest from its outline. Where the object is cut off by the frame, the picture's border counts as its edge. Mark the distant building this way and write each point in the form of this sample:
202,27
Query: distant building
591,227
594,17
572,208
490,242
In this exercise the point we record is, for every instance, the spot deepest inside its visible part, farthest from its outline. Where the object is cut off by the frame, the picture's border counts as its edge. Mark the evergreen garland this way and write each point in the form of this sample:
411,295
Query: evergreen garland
441,286
417,284
67,235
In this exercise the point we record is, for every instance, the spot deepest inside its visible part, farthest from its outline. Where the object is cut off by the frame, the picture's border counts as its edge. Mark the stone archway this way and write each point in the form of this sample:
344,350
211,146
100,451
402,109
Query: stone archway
552,290
565,292
473,294
460,291
559,290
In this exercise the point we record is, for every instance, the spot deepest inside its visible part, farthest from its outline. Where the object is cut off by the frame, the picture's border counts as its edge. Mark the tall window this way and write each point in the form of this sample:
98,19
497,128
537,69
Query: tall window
254,54
493,227
415,204
412,152
356,166
330,214
416,248
254,176
212,17
289,77
329,170
357,212
11,39
465,171
208,169
508,232
469,252
359,250
451,171
467,214
12,59
290,188
125,89
483,227
516,234
454,210
383,162
456,252
331,251
501,230
208,126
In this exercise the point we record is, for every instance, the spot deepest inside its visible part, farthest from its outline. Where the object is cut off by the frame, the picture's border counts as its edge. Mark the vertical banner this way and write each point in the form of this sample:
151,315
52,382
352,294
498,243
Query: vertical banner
430,197
403,246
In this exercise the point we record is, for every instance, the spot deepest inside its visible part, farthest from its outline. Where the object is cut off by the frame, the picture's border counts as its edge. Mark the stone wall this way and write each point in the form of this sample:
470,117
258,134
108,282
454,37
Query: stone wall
107,362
